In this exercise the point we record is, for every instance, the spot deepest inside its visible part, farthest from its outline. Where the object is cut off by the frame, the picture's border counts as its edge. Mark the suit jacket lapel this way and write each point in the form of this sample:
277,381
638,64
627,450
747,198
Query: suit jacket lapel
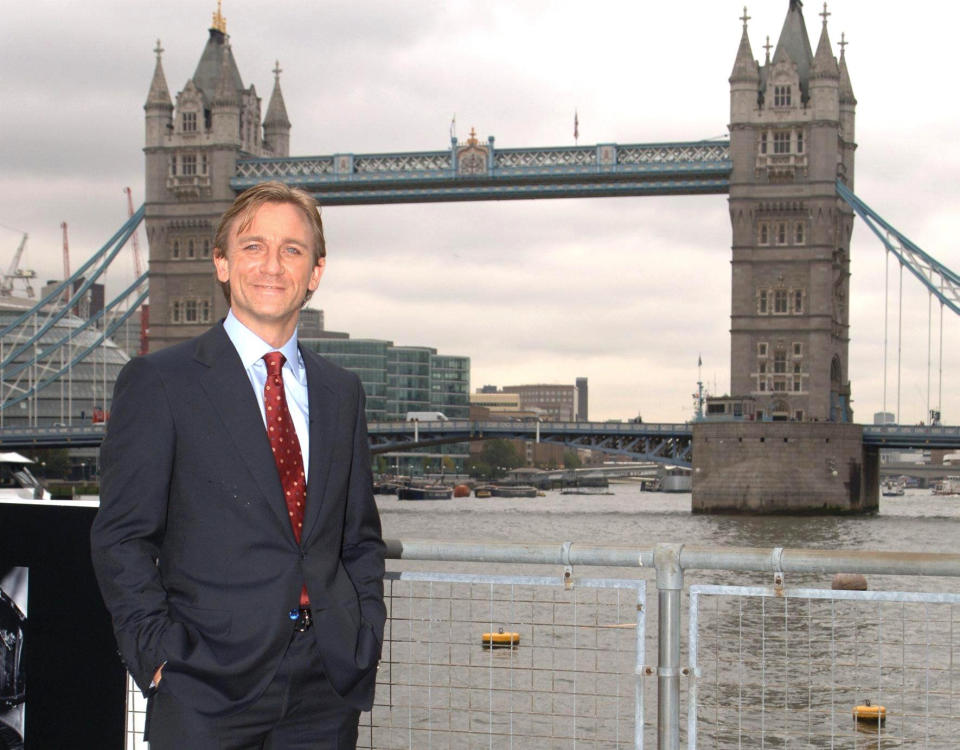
228,388
324,416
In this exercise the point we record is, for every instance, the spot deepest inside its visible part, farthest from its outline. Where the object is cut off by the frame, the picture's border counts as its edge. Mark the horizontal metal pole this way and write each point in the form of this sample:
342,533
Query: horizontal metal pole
774,559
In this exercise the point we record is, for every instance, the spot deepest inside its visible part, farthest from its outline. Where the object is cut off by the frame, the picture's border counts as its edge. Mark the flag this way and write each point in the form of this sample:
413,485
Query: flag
576,126
453,127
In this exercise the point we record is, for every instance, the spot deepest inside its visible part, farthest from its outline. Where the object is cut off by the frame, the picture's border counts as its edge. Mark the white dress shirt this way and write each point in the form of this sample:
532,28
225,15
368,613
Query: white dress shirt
251,349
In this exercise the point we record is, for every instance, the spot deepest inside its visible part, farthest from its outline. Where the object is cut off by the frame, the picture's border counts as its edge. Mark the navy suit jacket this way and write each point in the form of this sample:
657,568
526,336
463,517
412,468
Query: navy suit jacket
192,544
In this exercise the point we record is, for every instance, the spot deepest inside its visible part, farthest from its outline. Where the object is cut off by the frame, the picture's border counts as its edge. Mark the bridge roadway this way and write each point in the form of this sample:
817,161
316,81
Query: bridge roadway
666,443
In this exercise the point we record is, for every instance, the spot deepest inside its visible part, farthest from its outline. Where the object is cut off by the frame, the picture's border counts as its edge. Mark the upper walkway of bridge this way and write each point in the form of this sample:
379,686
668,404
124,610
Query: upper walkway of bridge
480,171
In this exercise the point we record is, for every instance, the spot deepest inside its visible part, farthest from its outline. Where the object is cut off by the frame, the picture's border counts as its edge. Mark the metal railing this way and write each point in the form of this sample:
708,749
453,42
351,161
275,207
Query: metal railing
768,666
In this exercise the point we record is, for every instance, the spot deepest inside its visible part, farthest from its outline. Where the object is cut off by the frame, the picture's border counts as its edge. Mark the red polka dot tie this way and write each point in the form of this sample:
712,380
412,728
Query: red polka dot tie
285,446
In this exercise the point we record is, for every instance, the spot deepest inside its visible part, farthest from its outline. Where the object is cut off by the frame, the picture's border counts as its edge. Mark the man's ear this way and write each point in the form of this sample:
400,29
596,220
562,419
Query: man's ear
222,265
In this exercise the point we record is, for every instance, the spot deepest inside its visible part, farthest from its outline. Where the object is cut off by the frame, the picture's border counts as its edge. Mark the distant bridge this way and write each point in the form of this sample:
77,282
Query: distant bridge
667,443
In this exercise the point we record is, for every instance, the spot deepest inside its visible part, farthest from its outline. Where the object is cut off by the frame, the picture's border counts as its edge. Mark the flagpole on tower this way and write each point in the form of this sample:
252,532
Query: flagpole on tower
576,128
698,396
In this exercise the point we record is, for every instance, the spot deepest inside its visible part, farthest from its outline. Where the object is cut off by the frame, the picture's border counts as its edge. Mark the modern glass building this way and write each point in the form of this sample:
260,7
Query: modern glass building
402,379
365,357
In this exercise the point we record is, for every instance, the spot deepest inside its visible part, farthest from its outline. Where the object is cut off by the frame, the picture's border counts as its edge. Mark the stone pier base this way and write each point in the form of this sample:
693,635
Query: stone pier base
783,467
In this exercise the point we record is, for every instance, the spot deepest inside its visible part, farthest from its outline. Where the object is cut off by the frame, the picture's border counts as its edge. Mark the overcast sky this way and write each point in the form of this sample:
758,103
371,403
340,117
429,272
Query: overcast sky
625,291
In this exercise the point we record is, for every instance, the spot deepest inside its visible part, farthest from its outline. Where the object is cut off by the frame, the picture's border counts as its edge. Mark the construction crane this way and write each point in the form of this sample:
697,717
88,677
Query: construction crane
137,263
15,273
138,269
66,251
65,296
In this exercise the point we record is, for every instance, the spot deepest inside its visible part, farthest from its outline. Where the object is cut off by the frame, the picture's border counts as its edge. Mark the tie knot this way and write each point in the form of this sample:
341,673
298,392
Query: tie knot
274,362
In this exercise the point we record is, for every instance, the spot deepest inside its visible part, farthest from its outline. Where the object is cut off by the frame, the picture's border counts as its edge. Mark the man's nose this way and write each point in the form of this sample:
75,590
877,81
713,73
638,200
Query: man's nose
271,261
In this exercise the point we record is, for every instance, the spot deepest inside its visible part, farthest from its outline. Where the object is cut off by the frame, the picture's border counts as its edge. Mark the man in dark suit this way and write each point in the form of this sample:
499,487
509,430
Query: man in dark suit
237,545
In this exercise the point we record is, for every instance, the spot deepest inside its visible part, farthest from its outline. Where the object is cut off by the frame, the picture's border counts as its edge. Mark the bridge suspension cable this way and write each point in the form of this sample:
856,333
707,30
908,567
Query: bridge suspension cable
30,361
940,282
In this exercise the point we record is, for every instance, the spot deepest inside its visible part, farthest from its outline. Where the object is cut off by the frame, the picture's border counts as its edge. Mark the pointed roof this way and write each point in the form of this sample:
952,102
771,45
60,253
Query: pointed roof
846,88
226,91
159,94
276,110
824,63
745,66
794,43
217,60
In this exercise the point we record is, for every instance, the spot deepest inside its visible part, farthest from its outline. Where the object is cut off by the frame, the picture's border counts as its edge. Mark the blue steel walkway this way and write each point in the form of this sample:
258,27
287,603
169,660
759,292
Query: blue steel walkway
475,171
667,443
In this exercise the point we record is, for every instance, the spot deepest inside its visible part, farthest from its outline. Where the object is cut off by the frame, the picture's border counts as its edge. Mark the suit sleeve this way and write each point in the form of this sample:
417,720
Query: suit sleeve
363,549
127,533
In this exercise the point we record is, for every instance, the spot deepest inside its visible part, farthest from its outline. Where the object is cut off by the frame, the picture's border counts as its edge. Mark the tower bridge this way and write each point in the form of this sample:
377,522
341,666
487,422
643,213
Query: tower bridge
787,167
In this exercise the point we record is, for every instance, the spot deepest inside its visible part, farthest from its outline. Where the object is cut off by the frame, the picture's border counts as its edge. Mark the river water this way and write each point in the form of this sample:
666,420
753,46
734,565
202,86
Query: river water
915,522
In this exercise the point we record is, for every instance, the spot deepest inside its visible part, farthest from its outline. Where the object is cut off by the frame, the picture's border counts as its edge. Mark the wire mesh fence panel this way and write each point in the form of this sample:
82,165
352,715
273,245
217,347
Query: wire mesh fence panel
509,662
136,717
794,668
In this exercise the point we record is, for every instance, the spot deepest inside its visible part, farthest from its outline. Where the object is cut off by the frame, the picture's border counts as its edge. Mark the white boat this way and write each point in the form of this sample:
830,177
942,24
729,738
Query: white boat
675,479
947,486
17,482
891,489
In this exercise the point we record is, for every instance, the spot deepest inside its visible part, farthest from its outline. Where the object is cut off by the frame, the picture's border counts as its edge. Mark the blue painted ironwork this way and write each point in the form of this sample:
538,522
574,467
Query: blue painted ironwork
943,283
475,171
30,327
660,443
666,443
104,257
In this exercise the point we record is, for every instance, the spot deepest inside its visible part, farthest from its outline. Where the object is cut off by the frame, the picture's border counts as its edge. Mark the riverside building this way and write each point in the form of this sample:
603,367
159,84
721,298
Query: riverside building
402,379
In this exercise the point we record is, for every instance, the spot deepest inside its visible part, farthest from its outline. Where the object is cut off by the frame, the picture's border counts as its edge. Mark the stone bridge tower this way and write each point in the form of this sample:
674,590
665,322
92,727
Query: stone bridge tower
191,152
792,449
791,138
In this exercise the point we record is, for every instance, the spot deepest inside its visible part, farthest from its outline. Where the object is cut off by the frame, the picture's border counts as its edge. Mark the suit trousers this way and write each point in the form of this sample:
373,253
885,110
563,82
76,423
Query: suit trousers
298,711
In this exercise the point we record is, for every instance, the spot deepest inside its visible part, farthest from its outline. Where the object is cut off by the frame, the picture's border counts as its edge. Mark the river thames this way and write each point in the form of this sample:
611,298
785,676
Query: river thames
915,522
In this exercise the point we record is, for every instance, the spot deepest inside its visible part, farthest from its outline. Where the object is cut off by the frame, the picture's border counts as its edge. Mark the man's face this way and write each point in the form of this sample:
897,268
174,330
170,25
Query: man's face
270,267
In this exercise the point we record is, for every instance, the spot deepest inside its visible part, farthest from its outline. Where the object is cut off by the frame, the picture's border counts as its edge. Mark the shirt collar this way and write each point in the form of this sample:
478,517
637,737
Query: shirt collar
251,347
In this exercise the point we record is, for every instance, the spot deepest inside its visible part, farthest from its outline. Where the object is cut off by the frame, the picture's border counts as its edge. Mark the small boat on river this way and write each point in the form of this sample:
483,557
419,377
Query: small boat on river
891,489
947,486
423,491
514,490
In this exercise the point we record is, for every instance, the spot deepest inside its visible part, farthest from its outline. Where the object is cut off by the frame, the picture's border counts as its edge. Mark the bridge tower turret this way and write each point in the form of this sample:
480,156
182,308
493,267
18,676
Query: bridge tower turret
791,138
191,151
276,125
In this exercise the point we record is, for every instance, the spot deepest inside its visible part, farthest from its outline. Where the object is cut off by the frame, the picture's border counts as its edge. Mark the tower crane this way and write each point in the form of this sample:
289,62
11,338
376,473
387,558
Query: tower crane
14,272
138,269
66,251
66,261
137,263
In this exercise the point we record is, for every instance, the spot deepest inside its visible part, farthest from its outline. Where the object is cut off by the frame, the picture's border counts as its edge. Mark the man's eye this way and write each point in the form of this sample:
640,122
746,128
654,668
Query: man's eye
293,250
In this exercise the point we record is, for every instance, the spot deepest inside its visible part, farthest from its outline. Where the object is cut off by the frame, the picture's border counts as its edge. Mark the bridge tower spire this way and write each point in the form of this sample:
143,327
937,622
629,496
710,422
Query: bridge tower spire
191,149
276,125
791,137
